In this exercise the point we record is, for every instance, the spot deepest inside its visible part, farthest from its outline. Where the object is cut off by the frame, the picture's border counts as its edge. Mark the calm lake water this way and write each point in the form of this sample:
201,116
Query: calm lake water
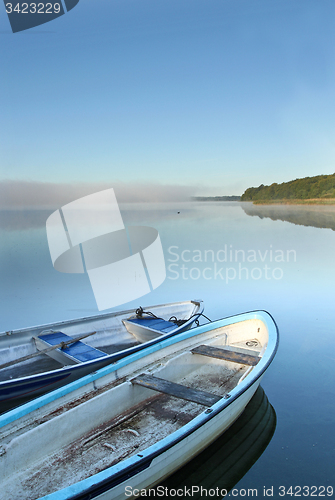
236,258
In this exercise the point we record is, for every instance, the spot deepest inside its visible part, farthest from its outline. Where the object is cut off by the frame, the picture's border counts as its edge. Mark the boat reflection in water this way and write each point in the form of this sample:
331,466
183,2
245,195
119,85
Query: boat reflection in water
230,457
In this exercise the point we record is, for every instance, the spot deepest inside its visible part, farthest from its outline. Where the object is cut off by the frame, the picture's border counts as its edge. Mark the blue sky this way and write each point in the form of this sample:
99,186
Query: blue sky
218,95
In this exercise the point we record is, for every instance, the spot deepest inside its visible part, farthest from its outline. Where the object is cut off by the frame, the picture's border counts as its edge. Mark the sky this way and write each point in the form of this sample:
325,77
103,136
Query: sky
168,98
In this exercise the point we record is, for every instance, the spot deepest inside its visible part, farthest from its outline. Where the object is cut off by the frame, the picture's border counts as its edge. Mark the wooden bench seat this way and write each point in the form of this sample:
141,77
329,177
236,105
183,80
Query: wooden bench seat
176,390
226,354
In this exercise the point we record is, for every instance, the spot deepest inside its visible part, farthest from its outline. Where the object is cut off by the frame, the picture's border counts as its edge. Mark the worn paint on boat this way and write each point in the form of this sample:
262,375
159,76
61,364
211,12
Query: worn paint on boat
106,432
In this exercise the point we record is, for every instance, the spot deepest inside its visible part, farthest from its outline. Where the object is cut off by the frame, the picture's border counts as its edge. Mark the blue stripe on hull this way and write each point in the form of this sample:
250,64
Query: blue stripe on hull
24,388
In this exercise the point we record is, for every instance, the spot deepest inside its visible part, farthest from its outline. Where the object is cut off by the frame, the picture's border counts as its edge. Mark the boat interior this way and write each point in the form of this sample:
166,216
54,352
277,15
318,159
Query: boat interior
97,431
41,350
75,353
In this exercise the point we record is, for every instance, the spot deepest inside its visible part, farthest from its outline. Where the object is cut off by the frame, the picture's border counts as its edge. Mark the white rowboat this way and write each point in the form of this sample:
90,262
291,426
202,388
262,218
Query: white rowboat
131,424
41,358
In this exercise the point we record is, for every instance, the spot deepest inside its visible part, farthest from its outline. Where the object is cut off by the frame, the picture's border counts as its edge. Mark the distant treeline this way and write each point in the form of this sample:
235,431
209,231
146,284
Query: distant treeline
320,186
216,198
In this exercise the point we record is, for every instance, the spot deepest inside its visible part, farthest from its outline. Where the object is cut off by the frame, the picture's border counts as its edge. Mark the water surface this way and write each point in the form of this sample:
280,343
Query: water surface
235,261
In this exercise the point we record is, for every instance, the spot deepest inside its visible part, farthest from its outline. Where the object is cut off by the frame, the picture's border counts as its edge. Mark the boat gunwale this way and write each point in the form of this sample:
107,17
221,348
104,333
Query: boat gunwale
118,473
95,317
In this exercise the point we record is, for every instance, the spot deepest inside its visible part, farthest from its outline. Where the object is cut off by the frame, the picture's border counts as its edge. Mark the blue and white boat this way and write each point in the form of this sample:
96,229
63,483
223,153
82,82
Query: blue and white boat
41,358
128,426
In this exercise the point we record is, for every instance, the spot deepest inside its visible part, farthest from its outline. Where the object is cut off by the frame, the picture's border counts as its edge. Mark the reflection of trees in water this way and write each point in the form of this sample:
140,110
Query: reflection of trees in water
311,215
229,458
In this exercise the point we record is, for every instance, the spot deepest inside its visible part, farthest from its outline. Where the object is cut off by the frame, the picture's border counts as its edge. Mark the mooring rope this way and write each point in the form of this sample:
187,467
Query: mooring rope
140,311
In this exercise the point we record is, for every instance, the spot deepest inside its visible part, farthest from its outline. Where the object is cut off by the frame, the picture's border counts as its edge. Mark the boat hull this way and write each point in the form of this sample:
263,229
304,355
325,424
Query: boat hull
178,455
229,457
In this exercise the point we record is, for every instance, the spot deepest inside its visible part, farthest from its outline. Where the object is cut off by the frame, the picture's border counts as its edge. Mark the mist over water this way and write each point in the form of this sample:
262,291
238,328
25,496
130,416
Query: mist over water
302,215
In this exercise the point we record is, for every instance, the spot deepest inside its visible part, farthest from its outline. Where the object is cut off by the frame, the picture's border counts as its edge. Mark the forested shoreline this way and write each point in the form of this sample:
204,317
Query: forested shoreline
320,188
